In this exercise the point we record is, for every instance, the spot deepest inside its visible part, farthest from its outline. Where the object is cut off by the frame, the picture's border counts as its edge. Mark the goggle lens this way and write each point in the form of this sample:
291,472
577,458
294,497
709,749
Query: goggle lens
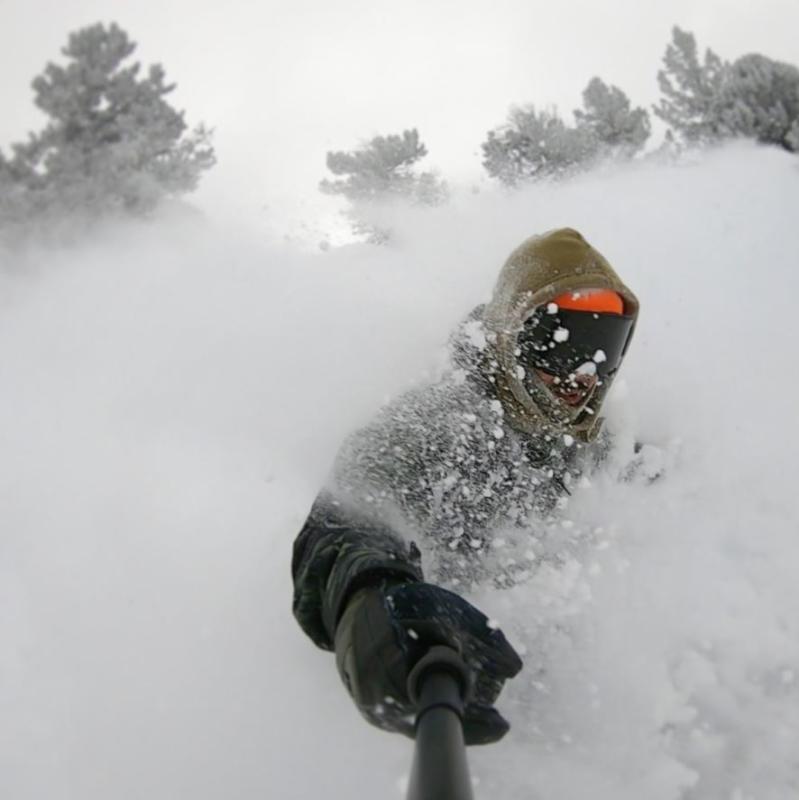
563,342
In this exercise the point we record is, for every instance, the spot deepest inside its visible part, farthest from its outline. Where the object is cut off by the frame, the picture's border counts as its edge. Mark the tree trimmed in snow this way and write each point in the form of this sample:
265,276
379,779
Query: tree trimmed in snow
378,172
760,100
537,144
112,142
13,209
754,97
793,136
621,130
691,90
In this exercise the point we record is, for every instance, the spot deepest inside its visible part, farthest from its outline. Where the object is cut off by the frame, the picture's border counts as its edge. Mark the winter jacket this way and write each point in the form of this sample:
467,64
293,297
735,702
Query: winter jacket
445,466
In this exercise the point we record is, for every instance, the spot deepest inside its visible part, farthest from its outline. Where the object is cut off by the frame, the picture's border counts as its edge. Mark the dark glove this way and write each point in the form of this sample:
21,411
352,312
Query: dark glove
385,630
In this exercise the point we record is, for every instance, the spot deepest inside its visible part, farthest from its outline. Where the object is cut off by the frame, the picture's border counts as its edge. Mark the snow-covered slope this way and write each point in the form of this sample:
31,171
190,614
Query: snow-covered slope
173,394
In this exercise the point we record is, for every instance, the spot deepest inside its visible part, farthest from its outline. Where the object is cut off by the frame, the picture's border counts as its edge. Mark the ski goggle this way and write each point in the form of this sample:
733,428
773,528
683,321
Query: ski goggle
564,342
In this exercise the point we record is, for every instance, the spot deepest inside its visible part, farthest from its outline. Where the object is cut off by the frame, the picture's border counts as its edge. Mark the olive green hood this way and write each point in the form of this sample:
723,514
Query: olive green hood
537,271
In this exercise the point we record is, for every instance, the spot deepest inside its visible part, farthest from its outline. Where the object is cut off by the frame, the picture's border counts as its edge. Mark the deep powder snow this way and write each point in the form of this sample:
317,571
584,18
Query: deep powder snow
173,395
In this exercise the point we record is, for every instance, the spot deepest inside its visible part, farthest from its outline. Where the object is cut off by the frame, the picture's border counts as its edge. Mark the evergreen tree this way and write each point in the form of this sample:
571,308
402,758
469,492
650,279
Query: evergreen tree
760,100
792,138
7,189
381,171
112,142
16,202
691,90
537,144
622,131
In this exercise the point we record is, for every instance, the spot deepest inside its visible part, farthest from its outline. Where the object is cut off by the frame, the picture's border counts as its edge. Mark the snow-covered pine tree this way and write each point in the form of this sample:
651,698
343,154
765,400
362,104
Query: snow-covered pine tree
536,144
6,187
16,205
381,171
112,142
793,136
691,90
760,100
621,130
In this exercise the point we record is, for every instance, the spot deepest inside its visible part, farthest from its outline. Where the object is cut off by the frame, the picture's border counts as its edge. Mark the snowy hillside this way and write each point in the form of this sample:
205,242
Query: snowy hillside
173,395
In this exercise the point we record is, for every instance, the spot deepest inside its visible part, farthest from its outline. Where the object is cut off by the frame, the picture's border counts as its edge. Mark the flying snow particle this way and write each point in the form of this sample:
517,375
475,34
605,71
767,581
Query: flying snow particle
552,308
568,440
561,335
520,372
492,624
475,334
600,356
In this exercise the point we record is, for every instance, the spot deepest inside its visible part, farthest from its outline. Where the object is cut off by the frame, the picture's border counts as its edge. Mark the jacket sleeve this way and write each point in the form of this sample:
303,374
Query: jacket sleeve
337,552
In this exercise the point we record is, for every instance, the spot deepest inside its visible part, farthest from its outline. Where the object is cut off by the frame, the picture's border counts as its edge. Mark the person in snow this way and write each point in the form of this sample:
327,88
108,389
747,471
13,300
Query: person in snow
492,445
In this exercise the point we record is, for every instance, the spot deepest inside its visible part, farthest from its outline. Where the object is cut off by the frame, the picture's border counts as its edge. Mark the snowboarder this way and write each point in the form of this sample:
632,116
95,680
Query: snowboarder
493,444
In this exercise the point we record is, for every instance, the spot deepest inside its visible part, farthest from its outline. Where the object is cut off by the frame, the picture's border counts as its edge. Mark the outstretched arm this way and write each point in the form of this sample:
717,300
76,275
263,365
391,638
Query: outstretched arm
358,590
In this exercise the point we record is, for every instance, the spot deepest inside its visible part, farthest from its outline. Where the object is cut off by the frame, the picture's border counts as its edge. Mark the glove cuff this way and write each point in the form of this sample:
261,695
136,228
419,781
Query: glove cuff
370,573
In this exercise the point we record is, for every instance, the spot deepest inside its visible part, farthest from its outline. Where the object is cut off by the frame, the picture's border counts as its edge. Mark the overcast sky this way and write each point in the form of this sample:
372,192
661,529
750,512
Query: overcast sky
282,82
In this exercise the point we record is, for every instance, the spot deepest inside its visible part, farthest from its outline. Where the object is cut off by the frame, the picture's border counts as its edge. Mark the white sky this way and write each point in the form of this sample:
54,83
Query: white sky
282,82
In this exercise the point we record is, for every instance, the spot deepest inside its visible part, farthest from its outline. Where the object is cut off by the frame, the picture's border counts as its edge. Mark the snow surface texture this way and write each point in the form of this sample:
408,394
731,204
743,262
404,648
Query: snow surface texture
173,396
